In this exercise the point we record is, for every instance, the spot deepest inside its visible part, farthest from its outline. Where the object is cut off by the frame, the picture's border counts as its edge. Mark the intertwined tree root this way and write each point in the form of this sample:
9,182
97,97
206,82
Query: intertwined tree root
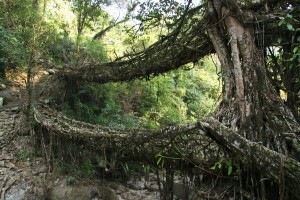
143,144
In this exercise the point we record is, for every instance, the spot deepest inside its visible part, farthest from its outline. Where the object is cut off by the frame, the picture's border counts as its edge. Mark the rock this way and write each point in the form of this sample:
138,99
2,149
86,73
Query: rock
1,102
152,186
80,191
181,191
151,177
8,157
10,165
137,184
51,71
39,170
2,170
1,133
2,86
25,191
7,96
16,108
42,169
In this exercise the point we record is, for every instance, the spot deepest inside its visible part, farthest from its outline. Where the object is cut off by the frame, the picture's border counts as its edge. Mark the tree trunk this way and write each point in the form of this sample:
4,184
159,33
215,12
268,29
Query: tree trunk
2,70
250,104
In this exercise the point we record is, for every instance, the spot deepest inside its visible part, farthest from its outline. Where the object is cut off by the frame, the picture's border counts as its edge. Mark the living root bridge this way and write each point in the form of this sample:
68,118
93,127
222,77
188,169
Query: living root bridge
144,144
130,144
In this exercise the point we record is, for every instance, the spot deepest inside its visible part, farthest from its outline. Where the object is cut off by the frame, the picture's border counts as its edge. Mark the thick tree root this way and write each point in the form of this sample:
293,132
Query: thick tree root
273,164
143,144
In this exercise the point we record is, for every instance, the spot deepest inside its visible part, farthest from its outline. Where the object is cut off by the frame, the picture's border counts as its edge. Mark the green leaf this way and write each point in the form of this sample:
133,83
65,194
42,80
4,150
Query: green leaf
281,22
279,40
158,161
295,49
290,27
293,57
229,170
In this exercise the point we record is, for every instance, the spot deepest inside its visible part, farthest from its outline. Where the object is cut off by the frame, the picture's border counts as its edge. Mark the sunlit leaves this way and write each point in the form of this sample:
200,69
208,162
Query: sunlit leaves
159,13
290,27
88,11
10,52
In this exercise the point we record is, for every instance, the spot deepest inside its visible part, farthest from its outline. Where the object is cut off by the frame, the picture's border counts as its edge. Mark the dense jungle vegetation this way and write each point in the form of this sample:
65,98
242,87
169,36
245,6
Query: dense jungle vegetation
211,84
51,36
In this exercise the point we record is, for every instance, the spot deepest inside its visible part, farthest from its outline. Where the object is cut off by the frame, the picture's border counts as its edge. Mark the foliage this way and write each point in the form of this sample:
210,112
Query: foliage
88,12
289,21
71,180
160,13
24,154
229,166
24,36
82,167
95,50
161,159
185,95
97,104
10,51
162,101
30,36
283,61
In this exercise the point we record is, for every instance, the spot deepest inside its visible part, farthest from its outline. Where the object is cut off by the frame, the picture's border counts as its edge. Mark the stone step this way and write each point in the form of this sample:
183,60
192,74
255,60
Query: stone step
8,122
11,105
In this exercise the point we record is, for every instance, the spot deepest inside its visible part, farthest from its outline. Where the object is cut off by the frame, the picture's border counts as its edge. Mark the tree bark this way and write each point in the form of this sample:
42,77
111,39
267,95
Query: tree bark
253,108
275,165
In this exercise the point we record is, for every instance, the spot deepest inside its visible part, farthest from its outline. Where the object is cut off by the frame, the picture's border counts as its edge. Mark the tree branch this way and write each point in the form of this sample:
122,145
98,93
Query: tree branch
101,33
169,53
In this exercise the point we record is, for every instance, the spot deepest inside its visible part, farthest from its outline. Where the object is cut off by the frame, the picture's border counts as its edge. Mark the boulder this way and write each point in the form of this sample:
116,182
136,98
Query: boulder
80,190
25,191
8,96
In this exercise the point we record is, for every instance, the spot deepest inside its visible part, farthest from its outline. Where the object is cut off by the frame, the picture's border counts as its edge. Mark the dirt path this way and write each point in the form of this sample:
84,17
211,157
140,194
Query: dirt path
17,167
